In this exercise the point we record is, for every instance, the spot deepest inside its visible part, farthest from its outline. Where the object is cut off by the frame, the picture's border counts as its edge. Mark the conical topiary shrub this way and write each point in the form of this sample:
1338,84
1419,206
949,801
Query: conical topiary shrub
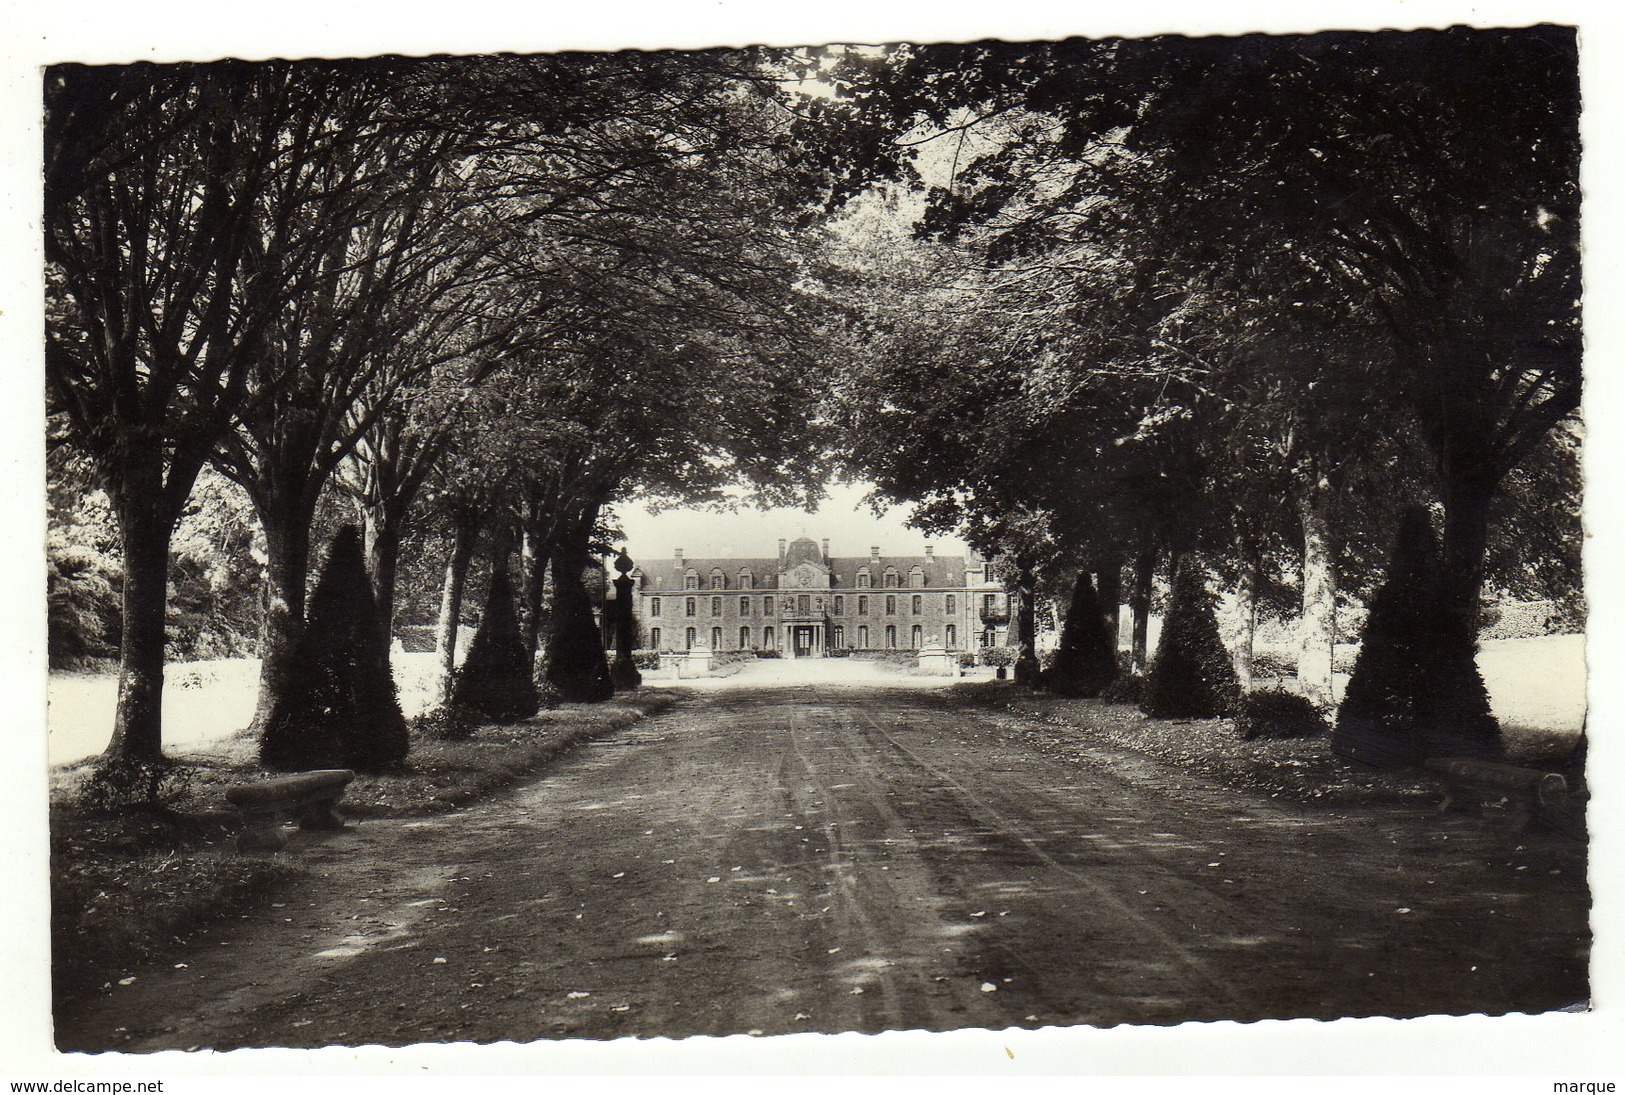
577,668
496,679
1086,661
1192,675
341,709
1415,690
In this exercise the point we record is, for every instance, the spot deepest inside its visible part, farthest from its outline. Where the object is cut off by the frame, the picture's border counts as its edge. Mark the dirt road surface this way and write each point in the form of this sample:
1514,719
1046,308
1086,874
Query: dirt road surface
785,855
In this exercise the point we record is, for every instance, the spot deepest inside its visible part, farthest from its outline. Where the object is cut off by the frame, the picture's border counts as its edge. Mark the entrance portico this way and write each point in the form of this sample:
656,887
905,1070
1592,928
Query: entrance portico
806,640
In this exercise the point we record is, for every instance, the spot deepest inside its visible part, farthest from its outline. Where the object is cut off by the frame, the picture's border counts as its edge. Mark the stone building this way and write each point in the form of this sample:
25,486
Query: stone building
806,603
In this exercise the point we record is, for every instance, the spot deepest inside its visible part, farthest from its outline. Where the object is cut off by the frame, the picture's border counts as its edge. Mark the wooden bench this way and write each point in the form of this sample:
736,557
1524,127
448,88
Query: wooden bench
309,797
1529,794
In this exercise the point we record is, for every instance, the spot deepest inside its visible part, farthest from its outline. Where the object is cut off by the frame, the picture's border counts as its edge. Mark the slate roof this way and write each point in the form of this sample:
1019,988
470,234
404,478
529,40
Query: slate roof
668,574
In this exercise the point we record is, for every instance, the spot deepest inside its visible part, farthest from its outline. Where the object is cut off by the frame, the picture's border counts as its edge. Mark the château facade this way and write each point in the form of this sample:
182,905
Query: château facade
806,603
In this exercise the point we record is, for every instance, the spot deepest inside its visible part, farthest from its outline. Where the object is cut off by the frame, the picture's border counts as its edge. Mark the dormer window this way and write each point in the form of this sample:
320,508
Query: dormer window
891,577
717,580
745,579
863,578
691,580
916,578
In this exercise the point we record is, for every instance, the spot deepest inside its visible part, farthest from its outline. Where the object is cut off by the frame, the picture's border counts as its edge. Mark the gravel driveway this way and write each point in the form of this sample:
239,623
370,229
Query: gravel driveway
805,855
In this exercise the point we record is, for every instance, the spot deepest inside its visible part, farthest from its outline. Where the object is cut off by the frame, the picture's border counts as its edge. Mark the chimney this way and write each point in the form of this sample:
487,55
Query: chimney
874,555
678,552
781,549
826,549
928,551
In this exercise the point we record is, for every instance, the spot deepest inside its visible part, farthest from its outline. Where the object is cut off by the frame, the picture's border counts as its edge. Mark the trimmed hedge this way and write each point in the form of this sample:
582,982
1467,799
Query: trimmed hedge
1086,660
496,678
342,709
577,669
998,656
1415,691
1192,675
1127,688
1277,713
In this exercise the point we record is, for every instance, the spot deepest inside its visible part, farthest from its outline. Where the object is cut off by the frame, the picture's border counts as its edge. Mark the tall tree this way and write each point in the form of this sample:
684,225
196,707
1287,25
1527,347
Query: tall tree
173,234
1425,180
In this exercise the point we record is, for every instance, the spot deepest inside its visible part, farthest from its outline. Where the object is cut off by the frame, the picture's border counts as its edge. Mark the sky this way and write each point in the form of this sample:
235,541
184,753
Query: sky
850,525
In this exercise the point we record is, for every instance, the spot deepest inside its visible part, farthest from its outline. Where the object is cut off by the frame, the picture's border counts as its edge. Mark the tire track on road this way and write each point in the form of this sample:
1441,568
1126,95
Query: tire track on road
973,804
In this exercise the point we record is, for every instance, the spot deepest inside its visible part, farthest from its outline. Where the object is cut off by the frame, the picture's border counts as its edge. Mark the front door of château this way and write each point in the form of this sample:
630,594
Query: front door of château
802,637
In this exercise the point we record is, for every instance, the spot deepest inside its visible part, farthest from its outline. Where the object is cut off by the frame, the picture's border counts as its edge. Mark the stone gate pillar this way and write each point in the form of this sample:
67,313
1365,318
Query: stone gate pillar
624,672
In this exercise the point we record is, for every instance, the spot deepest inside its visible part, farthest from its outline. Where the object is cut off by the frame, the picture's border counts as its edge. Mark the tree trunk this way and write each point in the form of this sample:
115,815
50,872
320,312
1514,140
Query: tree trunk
1139,597
1467,500
1247,609
1317,627
535,551
1026,627
1109,588
382,531
287,570
464,538
144,533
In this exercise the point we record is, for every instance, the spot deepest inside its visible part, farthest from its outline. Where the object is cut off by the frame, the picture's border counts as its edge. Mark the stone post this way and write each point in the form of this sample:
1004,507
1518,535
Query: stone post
624,672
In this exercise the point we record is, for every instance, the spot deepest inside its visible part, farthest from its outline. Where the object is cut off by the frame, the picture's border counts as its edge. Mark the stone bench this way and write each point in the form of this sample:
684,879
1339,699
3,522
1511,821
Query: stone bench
309,797
1529,794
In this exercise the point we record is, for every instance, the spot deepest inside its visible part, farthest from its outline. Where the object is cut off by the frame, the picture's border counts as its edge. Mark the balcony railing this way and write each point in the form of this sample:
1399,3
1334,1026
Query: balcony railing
995,615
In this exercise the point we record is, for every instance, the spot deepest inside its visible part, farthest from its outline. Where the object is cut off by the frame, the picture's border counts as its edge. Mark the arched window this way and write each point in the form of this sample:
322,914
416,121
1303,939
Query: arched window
744,638
745,579
863,606
717,580
891,605
654,606
689,638
716,606
891,637
688,606
744,606
767,638
915,637
916,577
863,638
840,606
891,577
918,607
838,637
988,637
654,638
716,638
863,578
691,580
953,636
948,604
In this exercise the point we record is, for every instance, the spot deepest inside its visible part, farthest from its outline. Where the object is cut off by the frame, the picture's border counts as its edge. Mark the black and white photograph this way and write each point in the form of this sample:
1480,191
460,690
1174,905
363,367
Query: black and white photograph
1058,533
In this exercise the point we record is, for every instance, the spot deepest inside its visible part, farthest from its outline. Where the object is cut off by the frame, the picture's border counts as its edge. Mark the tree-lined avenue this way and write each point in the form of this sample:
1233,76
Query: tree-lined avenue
827,857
